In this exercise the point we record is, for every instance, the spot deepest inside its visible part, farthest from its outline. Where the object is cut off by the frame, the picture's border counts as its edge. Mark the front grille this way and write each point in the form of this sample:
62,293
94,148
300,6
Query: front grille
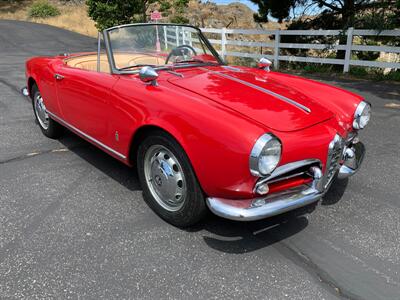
335,153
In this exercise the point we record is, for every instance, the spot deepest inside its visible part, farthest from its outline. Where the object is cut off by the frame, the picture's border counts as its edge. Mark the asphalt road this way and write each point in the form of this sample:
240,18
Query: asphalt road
73,222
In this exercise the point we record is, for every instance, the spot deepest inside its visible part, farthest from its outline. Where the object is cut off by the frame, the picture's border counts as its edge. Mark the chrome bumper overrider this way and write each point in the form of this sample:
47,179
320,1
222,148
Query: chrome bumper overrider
353,157
281,202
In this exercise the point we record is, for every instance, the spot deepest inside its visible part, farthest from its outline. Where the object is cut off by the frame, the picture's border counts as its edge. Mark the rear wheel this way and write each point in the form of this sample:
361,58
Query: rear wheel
169,184
49,127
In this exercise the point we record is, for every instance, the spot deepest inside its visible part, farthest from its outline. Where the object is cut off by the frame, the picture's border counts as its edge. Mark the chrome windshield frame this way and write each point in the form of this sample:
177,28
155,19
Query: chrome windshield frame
115,70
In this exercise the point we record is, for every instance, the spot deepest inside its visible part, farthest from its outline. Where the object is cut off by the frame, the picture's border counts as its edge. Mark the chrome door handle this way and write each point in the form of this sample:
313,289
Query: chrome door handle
58,77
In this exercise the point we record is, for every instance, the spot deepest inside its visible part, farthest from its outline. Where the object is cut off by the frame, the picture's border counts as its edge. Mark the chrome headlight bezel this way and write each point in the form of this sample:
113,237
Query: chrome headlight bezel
363,109
264,143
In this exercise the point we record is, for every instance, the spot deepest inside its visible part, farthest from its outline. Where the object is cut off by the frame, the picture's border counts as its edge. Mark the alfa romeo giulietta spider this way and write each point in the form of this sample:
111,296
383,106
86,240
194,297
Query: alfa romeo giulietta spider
245,143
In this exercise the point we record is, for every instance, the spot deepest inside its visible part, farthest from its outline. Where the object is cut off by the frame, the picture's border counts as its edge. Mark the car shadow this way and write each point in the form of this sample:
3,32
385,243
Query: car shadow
236,237
221,234
336,192
108,165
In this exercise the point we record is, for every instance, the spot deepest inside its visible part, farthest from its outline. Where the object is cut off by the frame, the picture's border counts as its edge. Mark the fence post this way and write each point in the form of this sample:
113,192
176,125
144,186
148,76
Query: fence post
276,49
347,56
223,43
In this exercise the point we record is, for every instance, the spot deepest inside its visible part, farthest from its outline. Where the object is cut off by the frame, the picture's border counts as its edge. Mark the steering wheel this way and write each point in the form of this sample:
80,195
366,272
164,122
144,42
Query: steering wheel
180,51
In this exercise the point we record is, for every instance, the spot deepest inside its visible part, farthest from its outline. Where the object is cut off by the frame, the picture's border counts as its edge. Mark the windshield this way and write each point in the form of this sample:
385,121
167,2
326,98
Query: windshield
159,45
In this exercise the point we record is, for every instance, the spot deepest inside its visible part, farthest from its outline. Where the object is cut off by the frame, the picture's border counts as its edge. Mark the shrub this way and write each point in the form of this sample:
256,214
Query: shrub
317,68
358,71
368,55
375,73
393,75
379,74
245,61
43,9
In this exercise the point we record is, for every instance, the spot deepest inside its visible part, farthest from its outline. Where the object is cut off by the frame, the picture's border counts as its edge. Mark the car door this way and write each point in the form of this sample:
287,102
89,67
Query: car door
83,96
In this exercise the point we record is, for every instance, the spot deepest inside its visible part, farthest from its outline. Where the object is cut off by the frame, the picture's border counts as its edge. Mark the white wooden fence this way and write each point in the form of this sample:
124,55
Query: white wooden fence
276,45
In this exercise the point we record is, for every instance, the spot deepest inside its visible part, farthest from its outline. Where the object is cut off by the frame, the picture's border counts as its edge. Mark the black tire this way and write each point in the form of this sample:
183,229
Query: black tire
193,208
53,130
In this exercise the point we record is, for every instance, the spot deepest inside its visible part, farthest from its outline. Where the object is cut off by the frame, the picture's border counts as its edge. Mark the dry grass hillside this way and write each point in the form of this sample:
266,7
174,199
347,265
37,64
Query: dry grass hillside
234,15
74,16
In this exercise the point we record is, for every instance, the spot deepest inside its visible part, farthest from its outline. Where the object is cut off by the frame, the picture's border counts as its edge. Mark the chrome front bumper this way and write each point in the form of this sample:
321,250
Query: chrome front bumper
281,202
271,205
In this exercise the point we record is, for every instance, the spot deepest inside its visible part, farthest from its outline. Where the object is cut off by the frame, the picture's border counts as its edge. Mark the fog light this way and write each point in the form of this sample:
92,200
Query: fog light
258,202
349,153
24,91
262,189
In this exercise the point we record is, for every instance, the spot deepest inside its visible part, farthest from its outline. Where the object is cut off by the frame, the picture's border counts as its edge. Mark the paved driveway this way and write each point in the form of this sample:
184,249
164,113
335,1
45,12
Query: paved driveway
73,222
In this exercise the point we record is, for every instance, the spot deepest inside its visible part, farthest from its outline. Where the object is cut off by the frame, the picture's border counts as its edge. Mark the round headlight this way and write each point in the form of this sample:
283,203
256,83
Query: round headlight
362,115
265,155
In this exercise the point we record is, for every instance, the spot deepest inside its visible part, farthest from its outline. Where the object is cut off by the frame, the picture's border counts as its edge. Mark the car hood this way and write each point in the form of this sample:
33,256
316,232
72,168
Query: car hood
256,94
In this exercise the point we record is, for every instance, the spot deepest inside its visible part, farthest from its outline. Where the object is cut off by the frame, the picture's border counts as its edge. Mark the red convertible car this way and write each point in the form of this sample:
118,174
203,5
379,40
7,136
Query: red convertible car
245,143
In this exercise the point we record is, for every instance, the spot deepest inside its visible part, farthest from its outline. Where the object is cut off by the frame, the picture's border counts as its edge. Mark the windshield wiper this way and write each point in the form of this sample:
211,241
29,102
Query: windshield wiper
137,66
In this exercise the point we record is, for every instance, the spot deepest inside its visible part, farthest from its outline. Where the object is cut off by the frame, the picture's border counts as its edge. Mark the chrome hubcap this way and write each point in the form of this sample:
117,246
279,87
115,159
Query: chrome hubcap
41,112
165,178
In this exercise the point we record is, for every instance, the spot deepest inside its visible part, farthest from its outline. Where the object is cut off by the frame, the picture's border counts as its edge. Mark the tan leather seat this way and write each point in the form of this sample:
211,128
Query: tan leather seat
91,65
89,61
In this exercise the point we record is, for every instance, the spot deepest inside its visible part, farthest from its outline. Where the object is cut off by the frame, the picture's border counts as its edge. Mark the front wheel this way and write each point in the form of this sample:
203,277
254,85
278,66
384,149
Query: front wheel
49,127
169,184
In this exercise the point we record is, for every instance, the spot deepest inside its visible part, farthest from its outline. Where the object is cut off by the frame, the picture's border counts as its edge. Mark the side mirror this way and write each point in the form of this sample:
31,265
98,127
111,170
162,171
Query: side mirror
264,63
148,75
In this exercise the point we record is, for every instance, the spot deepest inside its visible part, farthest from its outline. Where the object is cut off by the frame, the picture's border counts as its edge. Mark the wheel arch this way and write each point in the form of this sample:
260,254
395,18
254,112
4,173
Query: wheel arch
31,82
146,130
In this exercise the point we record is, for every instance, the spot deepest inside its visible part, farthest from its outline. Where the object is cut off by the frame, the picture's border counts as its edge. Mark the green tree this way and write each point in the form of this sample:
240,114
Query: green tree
336,14
108,13
331,14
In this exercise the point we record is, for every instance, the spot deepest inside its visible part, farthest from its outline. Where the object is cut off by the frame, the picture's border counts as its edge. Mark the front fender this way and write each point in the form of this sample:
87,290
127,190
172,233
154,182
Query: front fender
40,70
217,140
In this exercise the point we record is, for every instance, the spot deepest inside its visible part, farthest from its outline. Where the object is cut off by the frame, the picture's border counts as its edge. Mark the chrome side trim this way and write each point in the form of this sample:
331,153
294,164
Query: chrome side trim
88,137
283,98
